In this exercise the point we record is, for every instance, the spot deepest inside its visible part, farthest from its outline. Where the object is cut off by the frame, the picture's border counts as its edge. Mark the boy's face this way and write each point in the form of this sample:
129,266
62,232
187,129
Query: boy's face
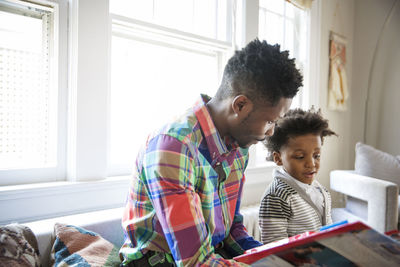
300,157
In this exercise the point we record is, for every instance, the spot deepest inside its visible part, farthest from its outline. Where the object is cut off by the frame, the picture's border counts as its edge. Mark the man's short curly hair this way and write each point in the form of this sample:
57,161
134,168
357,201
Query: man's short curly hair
260,71
297,122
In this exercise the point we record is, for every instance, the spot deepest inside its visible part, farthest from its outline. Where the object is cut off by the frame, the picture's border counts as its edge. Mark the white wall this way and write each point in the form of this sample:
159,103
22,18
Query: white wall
361,22
337,16
379,75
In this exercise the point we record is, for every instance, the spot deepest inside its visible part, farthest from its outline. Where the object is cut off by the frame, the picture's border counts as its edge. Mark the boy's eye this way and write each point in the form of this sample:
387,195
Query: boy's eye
298,157
317,156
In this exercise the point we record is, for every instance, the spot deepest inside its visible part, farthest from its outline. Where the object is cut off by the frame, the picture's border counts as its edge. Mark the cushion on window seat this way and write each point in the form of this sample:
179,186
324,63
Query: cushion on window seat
18,246
76,246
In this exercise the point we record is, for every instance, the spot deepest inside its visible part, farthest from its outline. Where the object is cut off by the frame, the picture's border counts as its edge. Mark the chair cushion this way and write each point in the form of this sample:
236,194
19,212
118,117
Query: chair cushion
76,246
376,163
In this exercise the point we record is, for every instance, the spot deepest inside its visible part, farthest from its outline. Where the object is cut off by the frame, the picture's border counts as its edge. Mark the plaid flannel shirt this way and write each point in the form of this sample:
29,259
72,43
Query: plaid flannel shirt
178,203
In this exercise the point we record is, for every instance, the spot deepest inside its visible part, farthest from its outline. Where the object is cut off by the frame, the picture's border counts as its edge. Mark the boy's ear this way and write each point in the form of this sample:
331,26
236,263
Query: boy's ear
277,158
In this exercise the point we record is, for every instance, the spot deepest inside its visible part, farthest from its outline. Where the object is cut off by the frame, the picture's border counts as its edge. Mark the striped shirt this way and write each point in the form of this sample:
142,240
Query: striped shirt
185,193
287,210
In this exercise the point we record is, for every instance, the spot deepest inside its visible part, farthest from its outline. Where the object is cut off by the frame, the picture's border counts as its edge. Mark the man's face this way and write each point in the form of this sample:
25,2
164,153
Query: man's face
259,123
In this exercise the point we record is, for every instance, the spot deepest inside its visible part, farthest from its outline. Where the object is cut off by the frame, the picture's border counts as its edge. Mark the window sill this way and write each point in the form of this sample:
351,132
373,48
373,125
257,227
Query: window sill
257,180
65,185
258,174
31,202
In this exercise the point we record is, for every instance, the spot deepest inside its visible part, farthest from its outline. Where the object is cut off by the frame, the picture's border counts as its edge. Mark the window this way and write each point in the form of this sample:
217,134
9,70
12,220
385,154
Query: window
158,71
29,104
158,48
208,18
283,23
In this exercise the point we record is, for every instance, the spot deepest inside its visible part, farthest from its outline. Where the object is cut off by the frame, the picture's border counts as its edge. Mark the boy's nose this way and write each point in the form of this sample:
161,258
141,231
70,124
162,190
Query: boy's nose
310,162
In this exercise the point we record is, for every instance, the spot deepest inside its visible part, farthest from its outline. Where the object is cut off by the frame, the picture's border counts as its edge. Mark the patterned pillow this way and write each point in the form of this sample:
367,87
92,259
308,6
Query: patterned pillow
75,246
18,246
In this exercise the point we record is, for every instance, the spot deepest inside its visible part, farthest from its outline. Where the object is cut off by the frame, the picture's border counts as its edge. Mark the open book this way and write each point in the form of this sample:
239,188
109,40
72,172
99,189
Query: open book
350,244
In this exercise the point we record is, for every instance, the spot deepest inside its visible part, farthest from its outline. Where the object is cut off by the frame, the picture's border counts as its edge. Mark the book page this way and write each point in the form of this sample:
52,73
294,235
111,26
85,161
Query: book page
271,261
354,244
314,254
365,248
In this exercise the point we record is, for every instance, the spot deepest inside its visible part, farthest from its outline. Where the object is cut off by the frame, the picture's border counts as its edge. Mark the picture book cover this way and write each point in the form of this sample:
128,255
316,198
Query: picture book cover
353,244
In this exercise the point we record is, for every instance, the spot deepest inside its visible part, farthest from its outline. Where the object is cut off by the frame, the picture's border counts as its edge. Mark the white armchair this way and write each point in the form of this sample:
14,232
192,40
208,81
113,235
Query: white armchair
368,199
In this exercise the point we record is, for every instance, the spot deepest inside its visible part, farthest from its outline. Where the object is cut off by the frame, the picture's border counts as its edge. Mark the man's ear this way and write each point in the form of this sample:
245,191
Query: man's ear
277,158
242,105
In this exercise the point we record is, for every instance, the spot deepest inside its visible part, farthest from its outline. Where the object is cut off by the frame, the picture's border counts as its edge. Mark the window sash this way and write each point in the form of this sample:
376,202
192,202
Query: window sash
48,12
128,28
302,98
158,12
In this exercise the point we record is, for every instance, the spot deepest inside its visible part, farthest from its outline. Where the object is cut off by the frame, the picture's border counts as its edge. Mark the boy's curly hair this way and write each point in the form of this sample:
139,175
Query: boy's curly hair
261,72
297,122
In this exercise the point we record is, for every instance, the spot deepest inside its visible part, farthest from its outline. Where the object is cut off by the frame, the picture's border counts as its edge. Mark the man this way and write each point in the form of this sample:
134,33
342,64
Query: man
184,199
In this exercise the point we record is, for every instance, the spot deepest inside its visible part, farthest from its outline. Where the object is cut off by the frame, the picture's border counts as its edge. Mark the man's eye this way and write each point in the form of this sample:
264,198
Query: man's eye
270,122
317,156
298,157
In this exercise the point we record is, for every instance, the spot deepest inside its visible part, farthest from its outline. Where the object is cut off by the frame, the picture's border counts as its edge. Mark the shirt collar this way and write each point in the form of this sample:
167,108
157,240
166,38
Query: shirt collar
219,149
306,187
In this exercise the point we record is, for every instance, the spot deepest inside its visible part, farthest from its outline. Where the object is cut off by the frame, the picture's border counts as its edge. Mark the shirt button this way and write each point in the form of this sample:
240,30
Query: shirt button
218,163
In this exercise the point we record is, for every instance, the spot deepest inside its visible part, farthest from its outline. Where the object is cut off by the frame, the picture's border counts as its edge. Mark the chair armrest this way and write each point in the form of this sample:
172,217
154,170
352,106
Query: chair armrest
360,186
382,196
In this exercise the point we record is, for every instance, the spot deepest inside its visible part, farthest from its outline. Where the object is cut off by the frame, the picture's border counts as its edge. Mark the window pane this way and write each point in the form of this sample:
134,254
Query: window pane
290,35
301,31
137,9
290,10
276,6
205,19
201,17
290,31
27,106
223,14
177,14
262,24
272,30
150,84
283,23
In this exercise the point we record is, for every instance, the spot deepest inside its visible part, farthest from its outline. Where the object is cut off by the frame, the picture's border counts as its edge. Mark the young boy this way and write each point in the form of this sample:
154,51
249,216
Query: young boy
295,202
